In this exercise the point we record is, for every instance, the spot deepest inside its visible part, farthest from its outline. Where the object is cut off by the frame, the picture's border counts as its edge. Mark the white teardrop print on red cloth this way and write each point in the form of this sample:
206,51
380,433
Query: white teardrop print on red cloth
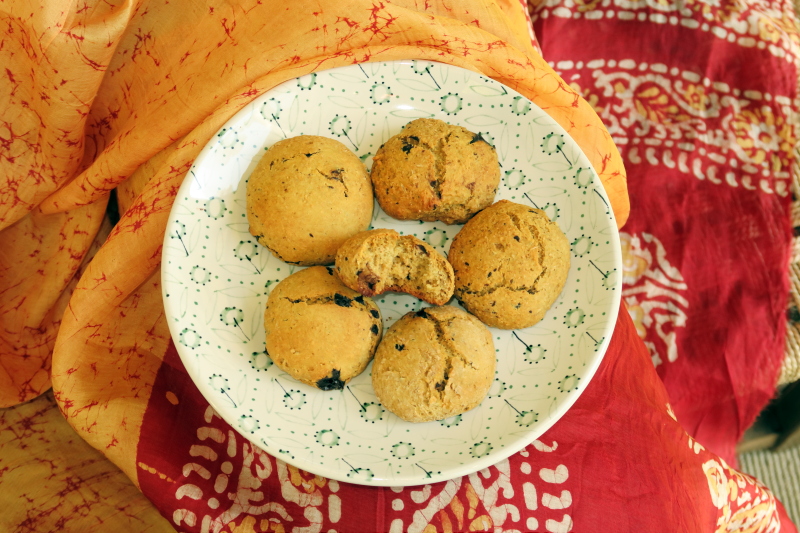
654,293
703,122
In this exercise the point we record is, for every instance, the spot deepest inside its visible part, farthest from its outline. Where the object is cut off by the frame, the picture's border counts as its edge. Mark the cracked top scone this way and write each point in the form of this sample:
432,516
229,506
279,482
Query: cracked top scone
511,263
380,260
306,196
435,363
435,171
319,331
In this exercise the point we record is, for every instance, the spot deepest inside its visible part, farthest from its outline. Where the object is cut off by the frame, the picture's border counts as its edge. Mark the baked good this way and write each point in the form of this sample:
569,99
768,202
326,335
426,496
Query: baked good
432,364
380,260
432,170
306,196
319,331
511,263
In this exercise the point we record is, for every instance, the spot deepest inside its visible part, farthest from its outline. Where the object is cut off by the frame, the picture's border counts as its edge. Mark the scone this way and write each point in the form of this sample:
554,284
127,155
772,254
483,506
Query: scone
319,331
380,260
306,196
435,363
435,171
511,263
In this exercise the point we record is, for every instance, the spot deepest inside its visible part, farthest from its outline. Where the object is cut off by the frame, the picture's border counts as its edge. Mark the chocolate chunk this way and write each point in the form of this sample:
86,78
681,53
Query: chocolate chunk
409,142
477,138
421,313
341,300
367,282
399,347
422,249
374,313
442,384
331,382
374,329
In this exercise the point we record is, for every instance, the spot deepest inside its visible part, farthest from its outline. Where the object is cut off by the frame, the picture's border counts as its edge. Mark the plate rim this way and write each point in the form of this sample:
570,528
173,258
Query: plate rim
468,467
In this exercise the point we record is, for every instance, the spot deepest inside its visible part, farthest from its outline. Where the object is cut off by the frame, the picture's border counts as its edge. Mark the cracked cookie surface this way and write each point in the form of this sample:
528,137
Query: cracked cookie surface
511,263
319,331
434,363
318,177
435,171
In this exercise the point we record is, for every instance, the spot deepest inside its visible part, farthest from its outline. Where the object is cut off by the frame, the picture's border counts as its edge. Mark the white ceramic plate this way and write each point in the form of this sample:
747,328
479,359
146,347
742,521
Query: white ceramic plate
216,278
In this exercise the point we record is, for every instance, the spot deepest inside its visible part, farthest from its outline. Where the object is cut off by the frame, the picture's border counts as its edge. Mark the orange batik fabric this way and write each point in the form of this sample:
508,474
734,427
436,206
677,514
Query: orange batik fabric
168,101
150,84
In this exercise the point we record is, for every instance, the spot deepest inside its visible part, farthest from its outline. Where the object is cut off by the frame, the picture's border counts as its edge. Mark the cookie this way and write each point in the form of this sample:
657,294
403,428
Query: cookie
433,364
318,331
306,196
380,260
435,171
511,263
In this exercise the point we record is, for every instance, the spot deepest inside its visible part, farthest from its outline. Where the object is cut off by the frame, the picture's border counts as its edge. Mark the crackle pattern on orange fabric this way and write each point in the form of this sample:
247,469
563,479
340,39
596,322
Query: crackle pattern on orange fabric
53,65
40,262
51,480
122,83
149,101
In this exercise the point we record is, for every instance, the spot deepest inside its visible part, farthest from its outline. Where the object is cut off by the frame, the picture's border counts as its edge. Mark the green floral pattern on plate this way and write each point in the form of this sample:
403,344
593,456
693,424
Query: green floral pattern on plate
216,278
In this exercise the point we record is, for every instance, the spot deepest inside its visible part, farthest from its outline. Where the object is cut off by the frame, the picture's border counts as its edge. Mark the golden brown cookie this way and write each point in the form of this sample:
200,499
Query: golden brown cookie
319,331
511,263
435,171
380,260
306,196
435,363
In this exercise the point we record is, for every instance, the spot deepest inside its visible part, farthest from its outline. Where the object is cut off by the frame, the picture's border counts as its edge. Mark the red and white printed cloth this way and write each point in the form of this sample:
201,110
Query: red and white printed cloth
701,99
617,461
122,95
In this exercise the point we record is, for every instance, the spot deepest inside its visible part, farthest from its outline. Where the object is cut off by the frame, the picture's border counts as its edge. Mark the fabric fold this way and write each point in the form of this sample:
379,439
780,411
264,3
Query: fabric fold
150,83
122,276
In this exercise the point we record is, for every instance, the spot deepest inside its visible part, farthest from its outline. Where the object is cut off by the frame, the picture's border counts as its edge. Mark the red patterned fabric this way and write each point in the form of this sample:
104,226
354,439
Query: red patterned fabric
617,461
703,118
122,96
